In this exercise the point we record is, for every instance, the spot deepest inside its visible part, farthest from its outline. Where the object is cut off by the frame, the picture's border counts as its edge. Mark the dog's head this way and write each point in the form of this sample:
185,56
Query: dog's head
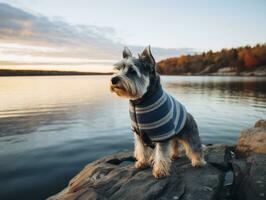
133,75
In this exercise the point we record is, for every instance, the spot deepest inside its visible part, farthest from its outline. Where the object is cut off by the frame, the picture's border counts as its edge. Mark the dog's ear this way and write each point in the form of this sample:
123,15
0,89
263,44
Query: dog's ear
126,53
147,56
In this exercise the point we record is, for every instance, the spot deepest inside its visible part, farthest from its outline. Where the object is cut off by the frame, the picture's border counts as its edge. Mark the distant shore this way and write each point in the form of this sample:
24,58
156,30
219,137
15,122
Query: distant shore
208,71
9,72
241,61
260,72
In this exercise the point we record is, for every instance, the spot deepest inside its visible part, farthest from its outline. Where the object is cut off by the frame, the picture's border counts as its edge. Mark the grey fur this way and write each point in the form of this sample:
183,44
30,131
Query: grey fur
136,75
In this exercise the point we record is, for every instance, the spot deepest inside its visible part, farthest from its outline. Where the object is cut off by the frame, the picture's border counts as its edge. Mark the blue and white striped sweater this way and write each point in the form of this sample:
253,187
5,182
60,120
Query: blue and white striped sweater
160,116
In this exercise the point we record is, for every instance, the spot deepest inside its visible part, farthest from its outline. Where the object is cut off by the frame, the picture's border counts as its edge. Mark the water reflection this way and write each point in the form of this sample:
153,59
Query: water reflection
50,127
225,87
221,105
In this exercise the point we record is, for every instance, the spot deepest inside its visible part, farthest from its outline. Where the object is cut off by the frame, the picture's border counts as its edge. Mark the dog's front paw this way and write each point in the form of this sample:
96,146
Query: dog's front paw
160,173
140,164
161,169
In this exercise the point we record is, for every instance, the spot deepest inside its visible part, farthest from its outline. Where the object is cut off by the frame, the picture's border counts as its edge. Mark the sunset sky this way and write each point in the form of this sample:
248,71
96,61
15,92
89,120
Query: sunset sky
89,35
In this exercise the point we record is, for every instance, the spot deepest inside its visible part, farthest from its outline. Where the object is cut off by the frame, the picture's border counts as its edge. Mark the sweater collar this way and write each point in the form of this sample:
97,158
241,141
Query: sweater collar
153,90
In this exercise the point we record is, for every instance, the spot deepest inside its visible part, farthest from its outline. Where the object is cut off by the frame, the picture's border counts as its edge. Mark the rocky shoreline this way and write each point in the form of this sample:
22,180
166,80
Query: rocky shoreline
232,172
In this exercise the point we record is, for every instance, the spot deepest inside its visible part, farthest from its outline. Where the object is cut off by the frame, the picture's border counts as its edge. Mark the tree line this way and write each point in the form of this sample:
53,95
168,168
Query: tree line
240,59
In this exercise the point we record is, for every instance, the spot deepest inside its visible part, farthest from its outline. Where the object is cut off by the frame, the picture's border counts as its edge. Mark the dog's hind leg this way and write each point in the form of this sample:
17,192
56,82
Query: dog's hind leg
191,142
142,153
162,160
174,149
193,147
195,154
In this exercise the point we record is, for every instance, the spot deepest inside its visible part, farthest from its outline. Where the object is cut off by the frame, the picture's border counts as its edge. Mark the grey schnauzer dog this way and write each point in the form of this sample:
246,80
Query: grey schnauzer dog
158,121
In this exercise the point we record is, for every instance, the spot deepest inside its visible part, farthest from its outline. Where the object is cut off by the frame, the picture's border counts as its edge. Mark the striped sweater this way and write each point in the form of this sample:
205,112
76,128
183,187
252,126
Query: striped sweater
159,116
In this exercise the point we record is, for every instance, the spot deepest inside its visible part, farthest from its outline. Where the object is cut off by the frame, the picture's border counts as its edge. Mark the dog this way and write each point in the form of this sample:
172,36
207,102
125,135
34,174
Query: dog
158,121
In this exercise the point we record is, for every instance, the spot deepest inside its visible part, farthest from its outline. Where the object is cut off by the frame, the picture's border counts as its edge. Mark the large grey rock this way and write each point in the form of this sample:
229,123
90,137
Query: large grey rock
250,178
252,140
249,166
115,177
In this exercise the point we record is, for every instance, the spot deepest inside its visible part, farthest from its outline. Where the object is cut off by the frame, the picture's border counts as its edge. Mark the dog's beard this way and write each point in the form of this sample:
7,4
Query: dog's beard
131,89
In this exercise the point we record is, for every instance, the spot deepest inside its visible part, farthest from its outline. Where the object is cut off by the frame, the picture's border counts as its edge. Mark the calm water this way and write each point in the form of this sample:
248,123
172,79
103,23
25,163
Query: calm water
50,127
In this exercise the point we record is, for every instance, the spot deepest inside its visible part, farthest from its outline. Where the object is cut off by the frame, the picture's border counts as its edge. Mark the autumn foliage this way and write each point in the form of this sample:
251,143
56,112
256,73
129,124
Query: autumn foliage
235,59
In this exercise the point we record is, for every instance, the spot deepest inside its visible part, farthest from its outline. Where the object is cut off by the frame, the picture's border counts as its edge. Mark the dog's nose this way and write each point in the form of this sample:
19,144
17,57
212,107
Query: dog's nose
115,80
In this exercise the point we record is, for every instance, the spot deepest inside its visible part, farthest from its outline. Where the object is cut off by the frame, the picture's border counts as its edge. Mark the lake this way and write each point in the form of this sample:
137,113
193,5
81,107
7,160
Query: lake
51,127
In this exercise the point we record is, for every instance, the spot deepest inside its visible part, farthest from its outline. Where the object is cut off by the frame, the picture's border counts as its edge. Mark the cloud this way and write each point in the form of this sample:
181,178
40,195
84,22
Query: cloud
18,26
77,41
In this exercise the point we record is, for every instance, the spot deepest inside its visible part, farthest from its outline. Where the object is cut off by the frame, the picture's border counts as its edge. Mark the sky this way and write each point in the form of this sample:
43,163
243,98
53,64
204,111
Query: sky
87,35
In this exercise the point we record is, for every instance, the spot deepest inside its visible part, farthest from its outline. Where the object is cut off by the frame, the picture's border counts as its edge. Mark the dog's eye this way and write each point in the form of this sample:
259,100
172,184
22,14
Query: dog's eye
131,71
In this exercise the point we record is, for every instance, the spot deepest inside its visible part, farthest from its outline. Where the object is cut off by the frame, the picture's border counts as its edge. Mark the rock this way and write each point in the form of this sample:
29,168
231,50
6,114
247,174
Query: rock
226,70
209,69
252,140
233,172
250,166
250,178
115,177
261,71
261,124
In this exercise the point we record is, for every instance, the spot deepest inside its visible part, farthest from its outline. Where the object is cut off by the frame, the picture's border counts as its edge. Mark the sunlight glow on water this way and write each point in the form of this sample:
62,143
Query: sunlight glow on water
50,127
